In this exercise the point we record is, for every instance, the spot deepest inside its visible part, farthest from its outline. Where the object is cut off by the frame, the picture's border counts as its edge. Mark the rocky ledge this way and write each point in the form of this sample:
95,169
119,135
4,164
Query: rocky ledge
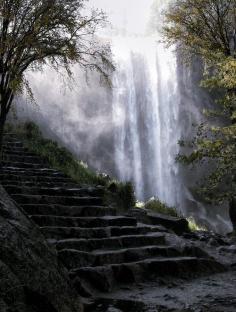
31,278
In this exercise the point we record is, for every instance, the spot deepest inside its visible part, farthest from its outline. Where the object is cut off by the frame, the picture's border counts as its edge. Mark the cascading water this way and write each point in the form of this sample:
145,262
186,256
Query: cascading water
145,111
127,140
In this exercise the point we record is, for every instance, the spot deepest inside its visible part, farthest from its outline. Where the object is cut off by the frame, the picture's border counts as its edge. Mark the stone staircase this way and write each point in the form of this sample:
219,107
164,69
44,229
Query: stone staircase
101,248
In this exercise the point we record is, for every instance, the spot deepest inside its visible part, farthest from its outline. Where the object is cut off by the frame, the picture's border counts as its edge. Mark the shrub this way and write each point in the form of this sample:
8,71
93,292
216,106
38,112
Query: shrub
121,194
156,205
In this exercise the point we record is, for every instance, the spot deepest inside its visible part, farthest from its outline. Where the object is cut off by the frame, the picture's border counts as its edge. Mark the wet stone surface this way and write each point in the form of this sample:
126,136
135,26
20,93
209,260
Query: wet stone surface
213,293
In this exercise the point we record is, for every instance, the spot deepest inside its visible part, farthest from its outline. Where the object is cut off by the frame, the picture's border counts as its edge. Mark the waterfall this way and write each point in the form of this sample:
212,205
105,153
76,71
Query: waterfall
130,132
145,114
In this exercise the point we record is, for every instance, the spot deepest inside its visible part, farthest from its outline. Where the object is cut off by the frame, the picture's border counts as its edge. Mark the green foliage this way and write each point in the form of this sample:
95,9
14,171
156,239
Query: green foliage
215,146
157,206
38,32
57,156
118,194
126,194
59,33
121,194
203,27
207,28
194,227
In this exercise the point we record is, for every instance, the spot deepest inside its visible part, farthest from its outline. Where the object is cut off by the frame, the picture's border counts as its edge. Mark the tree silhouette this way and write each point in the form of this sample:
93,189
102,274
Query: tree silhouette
37,32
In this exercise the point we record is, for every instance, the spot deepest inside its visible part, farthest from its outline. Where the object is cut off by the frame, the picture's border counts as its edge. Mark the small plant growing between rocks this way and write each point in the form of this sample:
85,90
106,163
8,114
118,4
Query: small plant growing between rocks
121,194
194,226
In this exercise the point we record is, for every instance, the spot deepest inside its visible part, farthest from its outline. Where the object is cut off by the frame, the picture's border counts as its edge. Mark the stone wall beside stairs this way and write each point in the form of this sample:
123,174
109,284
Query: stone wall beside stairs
31,277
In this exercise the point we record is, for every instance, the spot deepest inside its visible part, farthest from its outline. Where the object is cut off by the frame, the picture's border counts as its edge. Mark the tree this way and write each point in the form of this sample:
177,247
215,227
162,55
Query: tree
37,32
207,28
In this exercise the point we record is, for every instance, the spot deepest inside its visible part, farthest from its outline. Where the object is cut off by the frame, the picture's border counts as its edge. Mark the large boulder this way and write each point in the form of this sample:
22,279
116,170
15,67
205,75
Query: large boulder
31,277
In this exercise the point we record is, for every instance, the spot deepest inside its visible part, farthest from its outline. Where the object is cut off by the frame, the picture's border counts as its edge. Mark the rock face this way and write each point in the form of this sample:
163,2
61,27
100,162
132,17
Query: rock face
177,225
31,278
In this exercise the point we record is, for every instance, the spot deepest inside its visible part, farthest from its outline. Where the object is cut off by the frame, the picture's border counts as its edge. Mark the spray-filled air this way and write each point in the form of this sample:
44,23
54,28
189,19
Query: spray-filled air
131,132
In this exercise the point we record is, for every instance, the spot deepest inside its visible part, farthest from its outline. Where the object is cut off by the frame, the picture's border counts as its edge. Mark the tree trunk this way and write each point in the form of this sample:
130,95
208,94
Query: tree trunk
5,104
232,212
2,124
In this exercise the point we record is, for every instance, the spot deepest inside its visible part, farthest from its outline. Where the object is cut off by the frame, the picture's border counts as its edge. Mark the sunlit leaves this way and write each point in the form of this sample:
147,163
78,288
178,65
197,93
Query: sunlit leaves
201,26
208,28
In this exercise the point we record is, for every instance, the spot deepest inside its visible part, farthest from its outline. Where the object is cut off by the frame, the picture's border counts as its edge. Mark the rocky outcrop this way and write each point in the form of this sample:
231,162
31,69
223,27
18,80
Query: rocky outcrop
174,224
31,277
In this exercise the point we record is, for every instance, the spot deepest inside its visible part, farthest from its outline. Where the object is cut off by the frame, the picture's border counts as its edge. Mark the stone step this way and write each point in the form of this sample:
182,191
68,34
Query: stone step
32,172
112,243
106,278
102,232
15,150
23,158
22,152
23,199
178,225
55,191
21,165
12,144
84,222
69,211
24,178
11,136
94,243
74,259
55,183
